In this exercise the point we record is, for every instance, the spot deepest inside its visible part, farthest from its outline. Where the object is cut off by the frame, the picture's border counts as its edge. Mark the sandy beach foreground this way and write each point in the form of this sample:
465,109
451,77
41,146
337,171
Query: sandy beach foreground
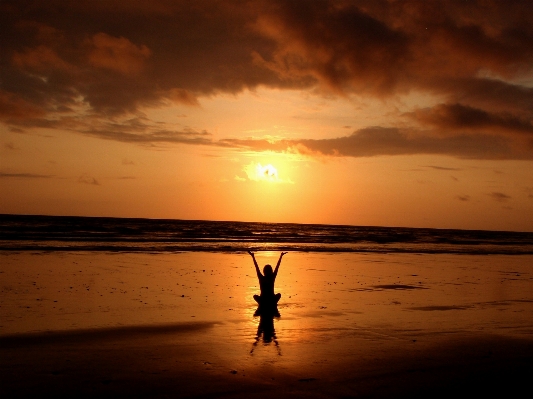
182,325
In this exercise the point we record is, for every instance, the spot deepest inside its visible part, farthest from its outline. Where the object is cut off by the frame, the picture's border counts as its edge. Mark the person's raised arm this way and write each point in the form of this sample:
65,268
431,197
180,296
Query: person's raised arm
255,264
279,263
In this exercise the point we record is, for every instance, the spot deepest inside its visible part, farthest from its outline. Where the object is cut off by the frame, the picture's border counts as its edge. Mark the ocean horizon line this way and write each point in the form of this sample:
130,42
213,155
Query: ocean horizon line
2,215
82,233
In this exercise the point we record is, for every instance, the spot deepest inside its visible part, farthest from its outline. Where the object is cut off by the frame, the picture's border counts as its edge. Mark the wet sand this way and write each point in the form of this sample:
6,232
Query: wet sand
182,325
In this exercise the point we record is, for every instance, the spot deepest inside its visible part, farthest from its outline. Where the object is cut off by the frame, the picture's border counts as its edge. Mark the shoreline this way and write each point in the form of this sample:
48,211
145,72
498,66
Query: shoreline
237,250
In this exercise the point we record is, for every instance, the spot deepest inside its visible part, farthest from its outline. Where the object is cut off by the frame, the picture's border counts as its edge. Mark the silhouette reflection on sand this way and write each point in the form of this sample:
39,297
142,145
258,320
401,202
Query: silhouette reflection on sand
266,333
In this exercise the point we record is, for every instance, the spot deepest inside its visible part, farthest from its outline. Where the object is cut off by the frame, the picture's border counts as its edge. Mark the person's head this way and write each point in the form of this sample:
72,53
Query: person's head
267,270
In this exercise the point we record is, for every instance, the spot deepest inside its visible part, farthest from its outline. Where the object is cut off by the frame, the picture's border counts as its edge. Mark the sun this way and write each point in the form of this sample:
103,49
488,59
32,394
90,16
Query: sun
258,172
267,172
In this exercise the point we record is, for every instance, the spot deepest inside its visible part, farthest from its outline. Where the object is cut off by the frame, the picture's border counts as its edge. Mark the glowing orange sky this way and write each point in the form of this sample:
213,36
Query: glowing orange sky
372,112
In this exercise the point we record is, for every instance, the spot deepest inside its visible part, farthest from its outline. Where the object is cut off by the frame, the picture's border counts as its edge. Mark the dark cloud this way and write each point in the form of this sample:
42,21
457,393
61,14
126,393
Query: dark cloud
24,175
113,58
137,130
457,117
463,198
378,141
117,57
436,167
149,135
500,197
489,94
336,43
86,179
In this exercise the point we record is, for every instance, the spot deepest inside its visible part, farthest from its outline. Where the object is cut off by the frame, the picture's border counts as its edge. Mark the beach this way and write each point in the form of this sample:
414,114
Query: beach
151,151
182,325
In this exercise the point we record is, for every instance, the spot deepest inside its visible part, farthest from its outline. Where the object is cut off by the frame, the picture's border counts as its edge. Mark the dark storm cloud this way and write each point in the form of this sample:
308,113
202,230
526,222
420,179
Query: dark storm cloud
336,43
489,94
112,58
121,55
457,117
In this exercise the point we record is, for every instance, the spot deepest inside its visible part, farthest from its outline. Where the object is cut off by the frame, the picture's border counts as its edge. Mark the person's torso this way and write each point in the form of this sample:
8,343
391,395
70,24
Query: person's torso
266,284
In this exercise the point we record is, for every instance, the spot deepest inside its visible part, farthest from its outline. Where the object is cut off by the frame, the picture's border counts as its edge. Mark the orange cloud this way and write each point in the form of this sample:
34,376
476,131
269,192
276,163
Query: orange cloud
39,58
181,96
13,108
117,54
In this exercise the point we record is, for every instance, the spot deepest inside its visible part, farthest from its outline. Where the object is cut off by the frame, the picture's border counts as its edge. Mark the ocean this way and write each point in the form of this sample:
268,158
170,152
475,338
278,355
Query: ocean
72,233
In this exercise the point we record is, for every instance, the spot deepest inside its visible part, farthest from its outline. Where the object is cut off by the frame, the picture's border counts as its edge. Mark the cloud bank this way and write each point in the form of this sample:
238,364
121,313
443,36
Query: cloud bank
83,65
376,141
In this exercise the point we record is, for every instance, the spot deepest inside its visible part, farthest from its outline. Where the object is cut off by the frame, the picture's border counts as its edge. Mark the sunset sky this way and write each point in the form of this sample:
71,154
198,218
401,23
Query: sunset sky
390,113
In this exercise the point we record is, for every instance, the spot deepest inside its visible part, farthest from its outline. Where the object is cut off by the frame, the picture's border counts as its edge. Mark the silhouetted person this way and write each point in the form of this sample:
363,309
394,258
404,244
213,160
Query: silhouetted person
267,300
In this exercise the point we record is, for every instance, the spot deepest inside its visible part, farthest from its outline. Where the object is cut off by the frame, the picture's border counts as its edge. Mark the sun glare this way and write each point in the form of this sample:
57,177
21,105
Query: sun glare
258,172
267,172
